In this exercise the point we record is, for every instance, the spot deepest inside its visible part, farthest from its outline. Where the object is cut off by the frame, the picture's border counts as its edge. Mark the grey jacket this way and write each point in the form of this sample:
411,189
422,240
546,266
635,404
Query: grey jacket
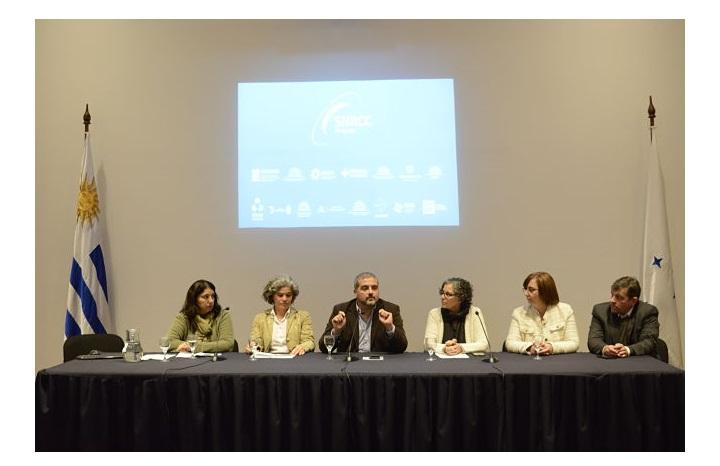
605,329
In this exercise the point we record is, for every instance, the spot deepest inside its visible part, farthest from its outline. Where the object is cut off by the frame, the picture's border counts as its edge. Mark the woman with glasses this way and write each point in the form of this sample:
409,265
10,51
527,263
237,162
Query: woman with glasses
456,326
544,325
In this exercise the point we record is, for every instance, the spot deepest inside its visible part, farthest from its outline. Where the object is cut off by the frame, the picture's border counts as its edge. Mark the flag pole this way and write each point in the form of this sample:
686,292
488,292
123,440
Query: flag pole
651,116
658,284
86,120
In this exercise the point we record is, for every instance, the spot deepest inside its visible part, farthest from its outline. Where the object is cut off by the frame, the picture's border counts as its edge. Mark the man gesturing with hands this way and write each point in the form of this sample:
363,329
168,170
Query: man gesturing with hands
366,323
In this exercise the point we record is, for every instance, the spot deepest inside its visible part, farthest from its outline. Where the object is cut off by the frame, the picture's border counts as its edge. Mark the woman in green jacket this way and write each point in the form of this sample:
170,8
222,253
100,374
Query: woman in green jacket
202,316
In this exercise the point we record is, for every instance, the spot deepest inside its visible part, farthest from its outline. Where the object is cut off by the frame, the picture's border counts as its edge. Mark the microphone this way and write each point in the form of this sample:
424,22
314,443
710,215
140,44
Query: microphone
215,357
491,359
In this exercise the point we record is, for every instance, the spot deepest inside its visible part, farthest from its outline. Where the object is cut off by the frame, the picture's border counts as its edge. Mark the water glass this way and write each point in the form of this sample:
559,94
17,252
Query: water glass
537,343
430,348
329,341
164,343
192,341
253,349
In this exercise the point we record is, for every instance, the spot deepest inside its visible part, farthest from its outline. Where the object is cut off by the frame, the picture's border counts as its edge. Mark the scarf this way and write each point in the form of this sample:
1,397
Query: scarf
204,327
454,324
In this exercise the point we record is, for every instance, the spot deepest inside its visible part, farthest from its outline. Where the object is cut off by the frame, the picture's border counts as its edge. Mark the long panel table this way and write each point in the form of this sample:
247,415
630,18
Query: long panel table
573,402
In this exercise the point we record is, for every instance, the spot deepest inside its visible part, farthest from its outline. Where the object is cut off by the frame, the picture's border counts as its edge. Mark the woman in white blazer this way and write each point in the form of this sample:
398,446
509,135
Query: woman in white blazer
545,316
457,326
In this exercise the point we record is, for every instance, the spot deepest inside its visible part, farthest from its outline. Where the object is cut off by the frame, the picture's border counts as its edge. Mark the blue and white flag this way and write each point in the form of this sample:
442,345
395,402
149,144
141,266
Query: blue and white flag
658,286
87,302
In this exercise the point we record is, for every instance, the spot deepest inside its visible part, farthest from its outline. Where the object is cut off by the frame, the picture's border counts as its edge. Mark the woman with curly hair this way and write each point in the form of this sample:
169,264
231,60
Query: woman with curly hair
456,326
282,328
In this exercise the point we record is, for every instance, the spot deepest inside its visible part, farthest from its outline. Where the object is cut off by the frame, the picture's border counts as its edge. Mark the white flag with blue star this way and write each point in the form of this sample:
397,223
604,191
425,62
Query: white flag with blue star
658,286
87,302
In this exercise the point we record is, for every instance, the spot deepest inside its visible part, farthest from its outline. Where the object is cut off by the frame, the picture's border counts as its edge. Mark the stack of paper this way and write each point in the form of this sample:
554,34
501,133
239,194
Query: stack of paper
261,355
447,356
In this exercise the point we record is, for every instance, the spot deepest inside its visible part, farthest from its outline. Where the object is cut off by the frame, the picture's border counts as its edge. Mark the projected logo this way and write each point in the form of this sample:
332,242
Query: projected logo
341,118
257,210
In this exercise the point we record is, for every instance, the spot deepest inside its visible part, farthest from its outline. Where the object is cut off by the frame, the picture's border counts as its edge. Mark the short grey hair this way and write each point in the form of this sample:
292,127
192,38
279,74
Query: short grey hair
276,284
362,275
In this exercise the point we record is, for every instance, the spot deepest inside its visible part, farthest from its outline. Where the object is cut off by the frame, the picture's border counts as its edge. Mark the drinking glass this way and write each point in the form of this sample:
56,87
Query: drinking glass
192,340
253,349
430,348
329,341
164,343
537,343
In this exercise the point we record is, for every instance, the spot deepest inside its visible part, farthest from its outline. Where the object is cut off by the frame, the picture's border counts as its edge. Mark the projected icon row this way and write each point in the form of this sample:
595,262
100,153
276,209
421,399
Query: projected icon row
261,211
295,174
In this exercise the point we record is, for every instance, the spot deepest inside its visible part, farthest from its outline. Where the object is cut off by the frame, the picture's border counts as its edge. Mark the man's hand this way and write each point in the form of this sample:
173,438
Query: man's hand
614,351
623,352
298,351
386,318
338,322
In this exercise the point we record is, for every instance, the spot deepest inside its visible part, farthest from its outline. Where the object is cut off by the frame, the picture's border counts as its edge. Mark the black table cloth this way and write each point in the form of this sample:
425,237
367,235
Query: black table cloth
403,403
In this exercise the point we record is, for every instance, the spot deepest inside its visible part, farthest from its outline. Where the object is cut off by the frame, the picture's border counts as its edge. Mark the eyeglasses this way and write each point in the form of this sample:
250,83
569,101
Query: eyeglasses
530,289
447,294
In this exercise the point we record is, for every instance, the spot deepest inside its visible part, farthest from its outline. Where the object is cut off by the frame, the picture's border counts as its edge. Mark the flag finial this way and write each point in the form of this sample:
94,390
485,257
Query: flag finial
651,113
86,118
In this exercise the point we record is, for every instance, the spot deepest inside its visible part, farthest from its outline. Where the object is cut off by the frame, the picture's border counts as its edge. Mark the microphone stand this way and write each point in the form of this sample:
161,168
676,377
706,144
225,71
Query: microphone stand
352,335
491,359
215,357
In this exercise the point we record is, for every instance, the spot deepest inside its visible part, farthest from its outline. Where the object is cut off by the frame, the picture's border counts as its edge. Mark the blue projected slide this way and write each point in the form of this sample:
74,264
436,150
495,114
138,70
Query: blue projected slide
347,153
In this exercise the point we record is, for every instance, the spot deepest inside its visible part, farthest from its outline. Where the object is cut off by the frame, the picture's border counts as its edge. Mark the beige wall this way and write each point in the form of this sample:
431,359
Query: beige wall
552,135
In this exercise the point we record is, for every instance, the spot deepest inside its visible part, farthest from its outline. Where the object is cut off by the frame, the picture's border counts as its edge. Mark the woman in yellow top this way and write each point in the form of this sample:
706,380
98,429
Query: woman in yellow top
282,328
201,315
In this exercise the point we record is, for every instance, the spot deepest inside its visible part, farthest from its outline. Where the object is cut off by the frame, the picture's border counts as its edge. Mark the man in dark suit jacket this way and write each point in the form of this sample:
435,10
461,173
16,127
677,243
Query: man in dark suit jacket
379,327
625,326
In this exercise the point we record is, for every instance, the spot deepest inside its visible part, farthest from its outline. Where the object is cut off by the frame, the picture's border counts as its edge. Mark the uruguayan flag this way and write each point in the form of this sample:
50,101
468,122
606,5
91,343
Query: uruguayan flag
658,286
87,303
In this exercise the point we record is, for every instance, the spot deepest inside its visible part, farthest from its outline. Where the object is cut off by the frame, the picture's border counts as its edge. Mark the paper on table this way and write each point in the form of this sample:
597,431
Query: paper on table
447,356
155,356
185,354
261,355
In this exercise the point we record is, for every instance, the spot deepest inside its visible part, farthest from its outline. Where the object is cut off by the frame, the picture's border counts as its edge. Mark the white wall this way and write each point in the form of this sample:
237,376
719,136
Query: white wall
552,135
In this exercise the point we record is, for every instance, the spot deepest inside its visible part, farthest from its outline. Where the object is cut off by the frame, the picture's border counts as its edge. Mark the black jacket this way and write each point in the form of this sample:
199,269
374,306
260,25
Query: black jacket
379,341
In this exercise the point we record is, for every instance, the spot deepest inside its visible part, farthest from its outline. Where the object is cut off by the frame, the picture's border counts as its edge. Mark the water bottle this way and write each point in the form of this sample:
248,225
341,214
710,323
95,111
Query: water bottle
133,350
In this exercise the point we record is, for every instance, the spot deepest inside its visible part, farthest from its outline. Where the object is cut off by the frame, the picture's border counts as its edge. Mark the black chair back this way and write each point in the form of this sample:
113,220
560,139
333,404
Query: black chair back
661,350
82,344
